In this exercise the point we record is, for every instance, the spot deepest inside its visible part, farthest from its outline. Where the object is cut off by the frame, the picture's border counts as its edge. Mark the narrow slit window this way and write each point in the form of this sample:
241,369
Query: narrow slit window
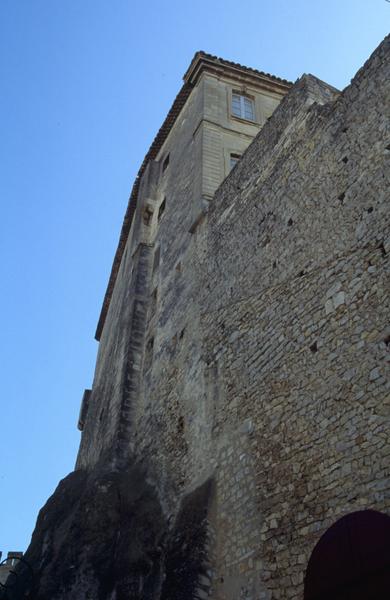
161,208
165,163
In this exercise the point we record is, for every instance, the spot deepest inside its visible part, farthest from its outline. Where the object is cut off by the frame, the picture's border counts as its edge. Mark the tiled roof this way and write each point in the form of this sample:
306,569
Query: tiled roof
153,151
234,65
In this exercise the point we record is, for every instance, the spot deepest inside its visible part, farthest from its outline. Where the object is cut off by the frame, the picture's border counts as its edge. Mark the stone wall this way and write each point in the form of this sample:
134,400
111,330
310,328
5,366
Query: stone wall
250,348
153,313
295,327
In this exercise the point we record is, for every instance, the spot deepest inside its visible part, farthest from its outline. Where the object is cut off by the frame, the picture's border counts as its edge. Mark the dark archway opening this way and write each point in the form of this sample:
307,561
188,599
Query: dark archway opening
351,560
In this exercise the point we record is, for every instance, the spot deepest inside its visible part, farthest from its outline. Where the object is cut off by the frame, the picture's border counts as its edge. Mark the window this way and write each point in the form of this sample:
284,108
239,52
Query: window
243,107
234,158
165,163
161,208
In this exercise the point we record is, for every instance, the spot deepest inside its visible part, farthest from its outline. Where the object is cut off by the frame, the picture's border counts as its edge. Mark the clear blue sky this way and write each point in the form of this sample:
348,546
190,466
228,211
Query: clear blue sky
85,85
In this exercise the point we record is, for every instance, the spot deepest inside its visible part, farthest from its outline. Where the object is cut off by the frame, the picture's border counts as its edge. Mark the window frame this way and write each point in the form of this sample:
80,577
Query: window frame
235,158
236,149
242,97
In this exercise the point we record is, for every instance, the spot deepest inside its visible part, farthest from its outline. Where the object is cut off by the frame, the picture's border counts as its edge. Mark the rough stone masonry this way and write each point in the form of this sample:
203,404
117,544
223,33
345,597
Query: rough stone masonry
240,405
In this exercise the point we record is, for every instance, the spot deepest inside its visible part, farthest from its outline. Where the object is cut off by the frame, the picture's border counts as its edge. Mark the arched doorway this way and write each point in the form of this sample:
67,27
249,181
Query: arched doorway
352,560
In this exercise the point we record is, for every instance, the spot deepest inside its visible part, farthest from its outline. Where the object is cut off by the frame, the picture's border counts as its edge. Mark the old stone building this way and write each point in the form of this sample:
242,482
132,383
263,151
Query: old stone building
239,413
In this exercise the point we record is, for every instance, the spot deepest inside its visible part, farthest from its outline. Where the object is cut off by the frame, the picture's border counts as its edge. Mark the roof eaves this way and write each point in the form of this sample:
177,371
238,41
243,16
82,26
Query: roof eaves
204,57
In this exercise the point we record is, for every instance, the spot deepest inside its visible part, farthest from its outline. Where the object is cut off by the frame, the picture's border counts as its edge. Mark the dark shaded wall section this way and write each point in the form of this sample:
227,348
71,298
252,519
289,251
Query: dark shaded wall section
103,535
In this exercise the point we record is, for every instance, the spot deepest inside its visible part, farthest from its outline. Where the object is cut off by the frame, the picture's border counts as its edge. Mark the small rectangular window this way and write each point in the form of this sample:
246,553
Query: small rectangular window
165,163
161,208
234,158
243,107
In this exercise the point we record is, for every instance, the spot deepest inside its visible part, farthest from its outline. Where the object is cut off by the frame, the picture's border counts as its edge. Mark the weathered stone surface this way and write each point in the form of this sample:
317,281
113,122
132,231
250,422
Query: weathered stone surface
250,349
103,535
187,563
99,536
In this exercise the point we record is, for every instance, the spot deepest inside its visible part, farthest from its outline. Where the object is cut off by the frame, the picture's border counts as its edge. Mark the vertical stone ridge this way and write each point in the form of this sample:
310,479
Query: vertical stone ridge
135,350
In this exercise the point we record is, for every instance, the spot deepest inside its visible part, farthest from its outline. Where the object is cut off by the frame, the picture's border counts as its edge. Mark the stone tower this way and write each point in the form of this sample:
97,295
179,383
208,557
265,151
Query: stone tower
238,408
151,304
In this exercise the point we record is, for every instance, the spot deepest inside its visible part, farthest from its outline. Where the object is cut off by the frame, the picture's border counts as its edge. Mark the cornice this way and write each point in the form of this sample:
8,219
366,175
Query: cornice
203,62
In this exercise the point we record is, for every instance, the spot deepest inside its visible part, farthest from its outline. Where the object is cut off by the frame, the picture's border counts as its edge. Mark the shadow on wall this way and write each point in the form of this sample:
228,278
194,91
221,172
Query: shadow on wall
187,565
103,535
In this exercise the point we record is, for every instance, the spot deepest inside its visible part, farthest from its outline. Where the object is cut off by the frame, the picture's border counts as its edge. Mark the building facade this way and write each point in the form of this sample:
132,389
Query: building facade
154,284
243,343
